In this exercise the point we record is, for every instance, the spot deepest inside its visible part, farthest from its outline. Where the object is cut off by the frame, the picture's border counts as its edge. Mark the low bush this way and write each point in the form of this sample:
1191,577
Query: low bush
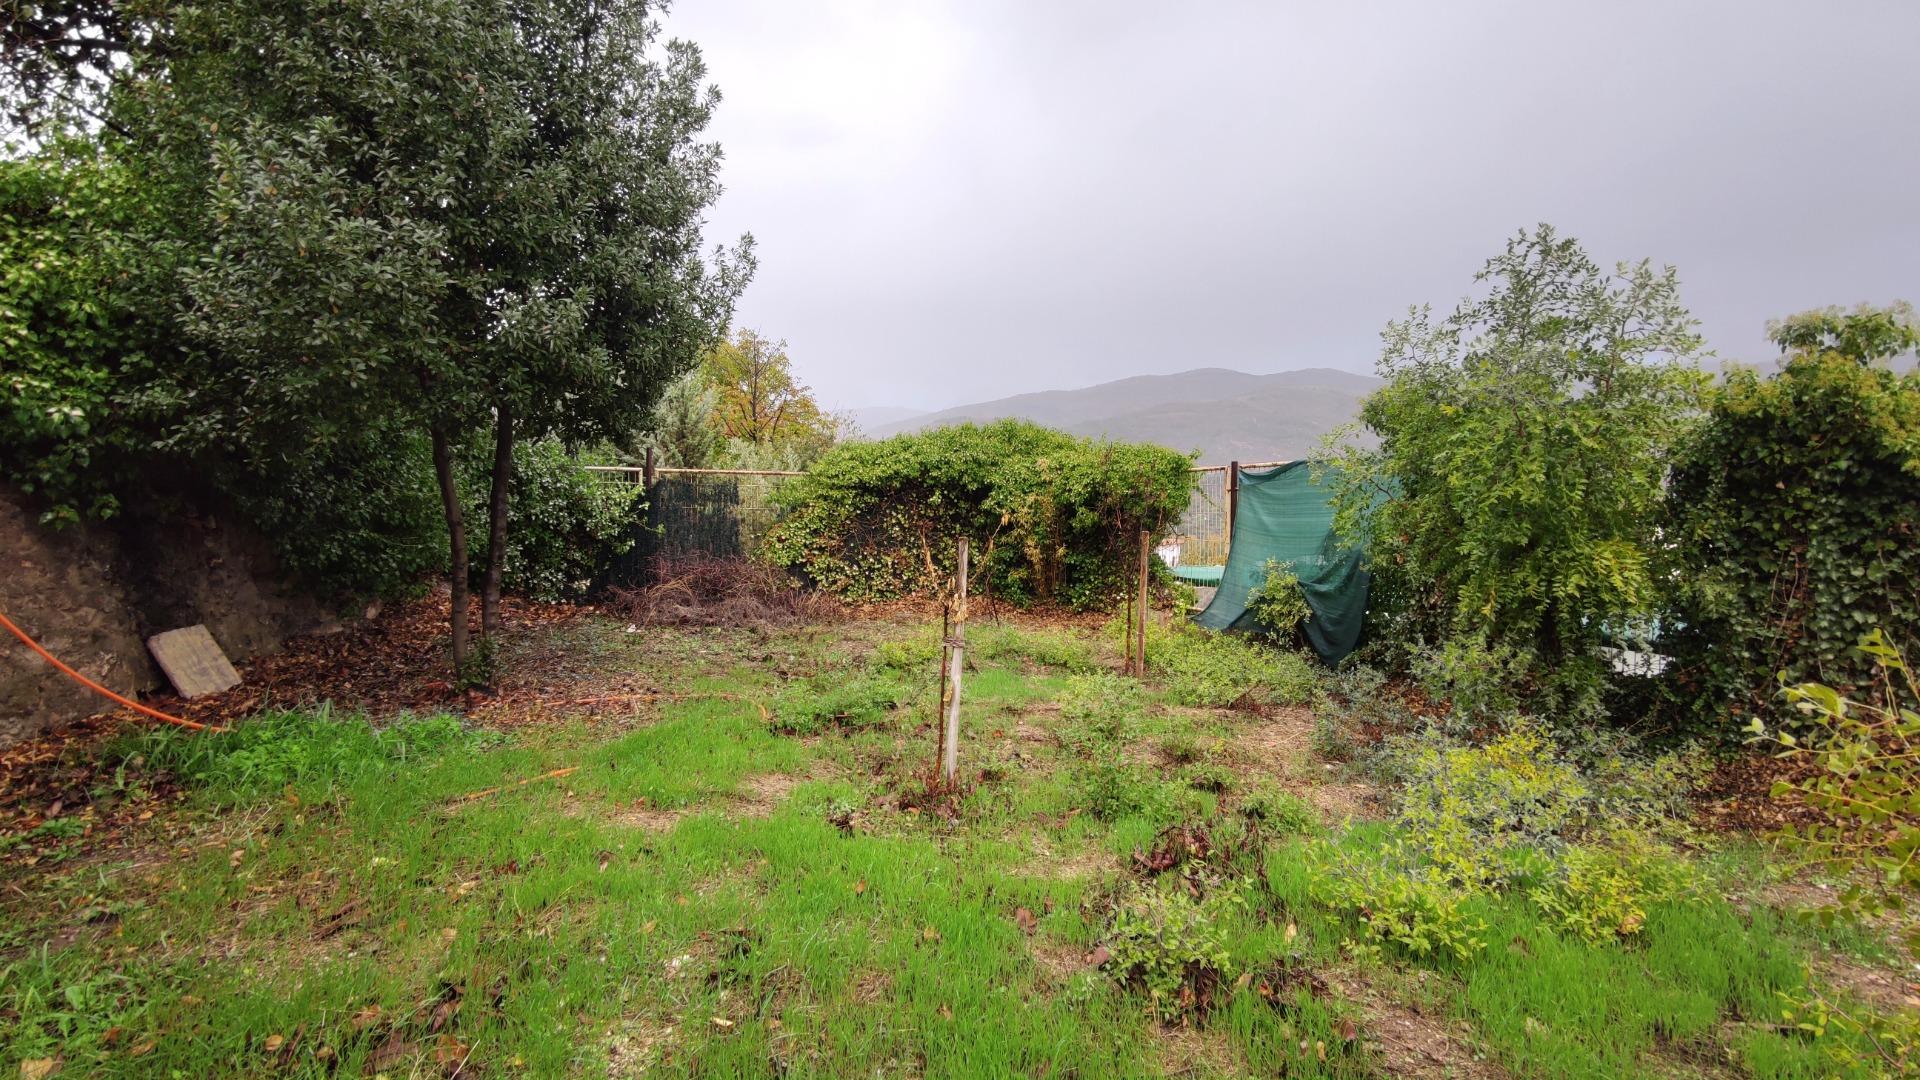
1280,811
1601,891
1052,517
1277,601
1101,715
1174,948
1515,813
1865,788
1401,898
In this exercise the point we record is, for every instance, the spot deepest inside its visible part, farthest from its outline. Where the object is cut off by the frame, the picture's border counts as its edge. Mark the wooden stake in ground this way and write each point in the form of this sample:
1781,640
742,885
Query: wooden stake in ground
940,702
1146,552
1233,500
1126,667
956,661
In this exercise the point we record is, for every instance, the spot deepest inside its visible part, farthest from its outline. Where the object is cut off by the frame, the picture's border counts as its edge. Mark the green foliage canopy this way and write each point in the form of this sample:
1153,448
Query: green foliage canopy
1512,507
1051,517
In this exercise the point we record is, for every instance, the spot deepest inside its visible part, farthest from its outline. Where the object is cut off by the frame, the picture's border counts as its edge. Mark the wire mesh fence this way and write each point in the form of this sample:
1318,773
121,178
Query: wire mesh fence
1202,532
722,513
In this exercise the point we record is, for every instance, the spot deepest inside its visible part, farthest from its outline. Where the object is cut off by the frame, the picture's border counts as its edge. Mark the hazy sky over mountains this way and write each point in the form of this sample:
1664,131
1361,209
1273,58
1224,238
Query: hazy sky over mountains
961,201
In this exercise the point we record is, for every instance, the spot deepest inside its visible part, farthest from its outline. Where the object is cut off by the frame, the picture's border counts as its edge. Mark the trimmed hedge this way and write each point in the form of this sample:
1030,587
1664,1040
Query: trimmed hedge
1052,518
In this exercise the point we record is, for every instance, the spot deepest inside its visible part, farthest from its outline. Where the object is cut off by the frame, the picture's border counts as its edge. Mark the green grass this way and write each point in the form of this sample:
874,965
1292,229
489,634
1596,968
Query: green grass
333,901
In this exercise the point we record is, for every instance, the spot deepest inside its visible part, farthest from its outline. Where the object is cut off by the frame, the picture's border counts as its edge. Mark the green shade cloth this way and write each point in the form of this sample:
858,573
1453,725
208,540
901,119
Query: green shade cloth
1199,575
1281,514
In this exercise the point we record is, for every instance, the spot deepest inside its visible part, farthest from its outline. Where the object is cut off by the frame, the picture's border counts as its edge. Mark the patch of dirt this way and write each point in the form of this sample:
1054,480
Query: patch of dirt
1878,987
1083,863
702,590
1411,1043
1279,746
636,1046
647,818
872,987
1738,796
1197,1051
1058,961
761,793
758,796
1703,1059
1339,801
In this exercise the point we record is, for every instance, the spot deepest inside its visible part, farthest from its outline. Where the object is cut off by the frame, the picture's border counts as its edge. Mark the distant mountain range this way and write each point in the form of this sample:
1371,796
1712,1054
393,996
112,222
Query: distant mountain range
1225,415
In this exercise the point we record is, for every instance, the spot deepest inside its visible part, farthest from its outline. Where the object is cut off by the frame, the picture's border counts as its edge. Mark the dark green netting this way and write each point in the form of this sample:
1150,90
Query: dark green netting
1281,514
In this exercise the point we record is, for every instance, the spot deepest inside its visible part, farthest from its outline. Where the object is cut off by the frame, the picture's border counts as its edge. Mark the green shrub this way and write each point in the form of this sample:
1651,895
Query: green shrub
1208,776
1601,891
1523,455
1797,509
361,516
1101,714
917,654
565,525
1101,707
273,749
1174,948
836,699
1515,812
1277,601
1052,517
1401,898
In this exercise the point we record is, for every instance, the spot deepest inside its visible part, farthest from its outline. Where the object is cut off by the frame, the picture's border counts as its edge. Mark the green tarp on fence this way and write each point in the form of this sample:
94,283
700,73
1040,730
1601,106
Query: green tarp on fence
1281,514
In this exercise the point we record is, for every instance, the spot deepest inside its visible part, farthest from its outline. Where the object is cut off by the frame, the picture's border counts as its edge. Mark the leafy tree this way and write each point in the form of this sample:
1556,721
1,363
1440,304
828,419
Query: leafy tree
761,403
1524,441
1796,510
472,215
682,432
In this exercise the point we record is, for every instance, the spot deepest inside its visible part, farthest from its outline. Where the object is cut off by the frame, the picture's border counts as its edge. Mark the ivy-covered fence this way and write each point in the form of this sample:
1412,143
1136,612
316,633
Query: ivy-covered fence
1052,518
1796,513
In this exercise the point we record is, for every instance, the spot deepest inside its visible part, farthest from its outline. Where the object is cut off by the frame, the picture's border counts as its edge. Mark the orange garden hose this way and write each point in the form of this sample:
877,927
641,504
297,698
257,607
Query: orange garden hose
96,687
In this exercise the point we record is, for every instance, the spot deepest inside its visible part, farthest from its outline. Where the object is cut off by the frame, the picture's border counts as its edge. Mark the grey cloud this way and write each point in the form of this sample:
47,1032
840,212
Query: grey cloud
964,201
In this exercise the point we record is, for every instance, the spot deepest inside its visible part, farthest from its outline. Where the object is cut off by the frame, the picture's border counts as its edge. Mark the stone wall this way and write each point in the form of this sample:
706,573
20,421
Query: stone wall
92,594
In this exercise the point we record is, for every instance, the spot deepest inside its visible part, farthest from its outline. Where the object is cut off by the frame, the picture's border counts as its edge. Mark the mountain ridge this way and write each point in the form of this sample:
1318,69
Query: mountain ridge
1221,413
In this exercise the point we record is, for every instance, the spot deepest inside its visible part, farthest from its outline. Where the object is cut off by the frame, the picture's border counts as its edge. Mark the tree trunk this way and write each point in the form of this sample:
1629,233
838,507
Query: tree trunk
456,544
497,522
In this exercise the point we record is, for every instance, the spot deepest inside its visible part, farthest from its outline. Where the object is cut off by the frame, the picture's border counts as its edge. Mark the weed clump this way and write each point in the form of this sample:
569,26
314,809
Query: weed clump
1173,948
1048,649
836,700
1102,714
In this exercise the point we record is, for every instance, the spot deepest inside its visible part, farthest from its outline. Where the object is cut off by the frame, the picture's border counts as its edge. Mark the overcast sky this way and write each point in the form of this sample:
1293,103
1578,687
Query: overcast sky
960,201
